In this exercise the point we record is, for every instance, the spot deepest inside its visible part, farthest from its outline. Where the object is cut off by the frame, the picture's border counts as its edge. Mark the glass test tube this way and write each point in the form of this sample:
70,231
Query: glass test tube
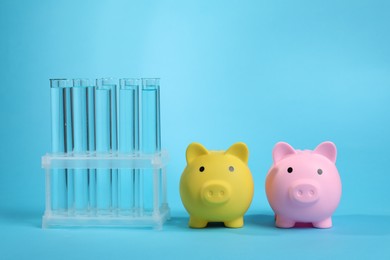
151,141
61,140
106,141
128,179
91,142
80,112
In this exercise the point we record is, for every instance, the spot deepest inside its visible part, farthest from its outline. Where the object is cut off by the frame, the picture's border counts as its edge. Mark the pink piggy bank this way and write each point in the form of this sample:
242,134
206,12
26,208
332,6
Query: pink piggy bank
303,186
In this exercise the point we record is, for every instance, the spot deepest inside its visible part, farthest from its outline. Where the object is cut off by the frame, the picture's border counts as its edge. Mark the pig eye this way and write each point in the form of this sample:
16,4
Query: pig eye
289,169
231,169
201,169
319,171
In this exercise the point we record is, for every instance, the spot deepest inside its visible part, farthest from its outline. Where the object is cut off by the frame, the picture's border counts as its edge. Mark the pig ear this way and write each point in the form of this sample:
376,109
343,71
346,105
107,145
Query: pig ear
194,150
327,149
281,150
239,150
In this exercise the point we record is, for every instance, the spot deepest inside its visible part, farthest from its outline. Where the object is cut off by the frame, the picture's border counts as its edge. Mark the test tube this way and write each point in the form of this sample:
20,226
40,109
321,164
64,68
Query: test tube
151,141
106,141
69,146
61,141
91,140
80,111
128,179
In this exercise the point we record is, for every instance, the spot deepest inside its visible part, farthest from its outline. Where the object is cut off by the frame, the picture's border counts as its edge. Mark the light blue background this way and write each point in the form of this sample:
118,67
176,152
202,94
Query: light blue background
253,71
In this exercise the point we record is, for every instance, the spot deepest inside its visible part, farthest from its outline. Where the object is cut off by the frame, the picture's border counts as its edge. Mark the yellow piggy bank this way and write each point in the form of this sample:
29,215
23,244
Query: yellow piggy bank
216,186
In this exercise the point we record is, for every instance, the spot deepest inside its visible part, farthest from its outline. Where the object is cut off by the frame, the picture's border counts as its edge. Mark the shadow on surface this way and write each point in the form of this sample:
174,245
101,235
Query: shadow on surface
354,224
254,224
262,224
251,222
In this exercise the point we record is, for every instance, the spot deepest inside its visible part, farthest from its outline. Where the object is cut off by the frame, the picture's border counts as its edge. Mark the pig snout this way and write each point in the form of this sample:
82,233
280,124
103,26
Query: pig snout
215,192
304,192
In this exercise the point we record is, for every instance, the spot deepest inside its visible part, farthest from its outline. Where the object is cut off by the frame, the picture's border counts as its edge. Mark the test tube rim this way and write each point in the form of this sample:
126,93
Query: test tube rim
107,81
124,85
66,83
77,82
150,86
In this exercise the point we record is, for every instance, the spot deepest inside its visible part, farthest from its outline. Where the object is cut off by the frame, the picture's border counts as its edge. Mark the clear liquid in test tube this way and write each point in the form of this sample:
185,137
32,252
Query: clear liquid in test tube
61,141
128,179
79,93
106,141
91,141
151,141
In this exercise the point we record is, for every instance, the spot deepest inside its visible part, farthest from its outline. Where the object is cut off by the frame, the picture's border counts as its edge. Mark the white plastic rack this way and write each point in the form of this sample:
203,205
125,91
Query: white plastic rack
147,208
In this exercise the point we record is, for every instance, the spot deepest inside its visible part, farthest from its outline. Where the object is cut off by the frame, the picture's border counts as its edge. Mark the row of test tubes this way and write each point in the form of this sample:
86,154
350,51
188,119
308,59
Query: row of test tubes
91,117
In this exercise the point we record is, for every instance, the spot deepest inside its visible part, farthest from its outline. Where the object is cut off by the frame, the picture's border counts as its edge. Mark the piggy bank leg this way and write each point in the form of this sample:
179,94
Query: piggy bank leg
236,223
197,223
326,223
283,222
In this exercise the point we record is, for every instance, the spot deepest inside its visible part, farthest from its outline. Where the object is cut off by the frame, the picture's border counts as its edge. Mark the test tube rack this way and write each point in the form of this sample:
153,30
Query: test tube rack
106,167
